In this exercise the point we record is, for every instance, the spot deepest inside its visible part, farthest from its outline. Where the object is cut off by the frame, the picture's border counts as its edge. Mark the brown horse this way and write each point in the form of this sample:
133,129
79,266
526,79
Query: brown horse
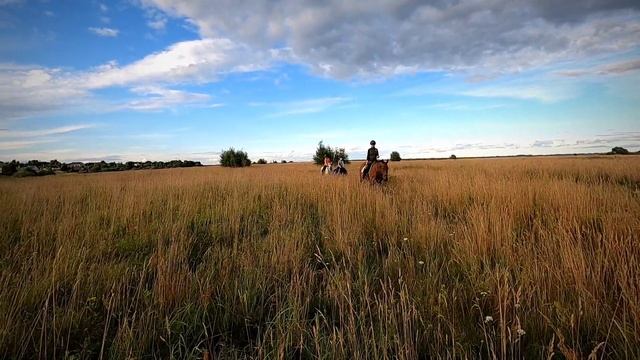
378,173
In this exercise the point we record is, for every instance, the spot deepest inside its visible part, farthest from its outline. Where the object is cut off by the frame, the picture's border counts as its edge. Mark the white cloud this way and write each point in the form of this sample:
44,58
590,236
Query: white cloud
31,91
104,31
158,24
27,139
306,106
14,145
545,93
351,38
27,91
539,89
195,61
157,98
617,68
461,106
45,132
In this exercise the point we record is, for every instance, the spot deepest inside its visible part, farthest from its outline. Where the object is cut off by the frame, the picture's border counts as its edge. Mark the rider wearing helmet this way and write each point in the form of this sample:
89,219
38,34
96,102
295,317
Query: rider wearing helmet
372,157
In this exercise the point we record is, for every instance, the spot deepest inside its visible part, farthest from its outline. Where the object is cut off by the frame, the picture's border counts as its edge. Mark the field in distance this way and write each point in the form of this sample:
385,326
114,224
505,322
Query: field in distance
491,258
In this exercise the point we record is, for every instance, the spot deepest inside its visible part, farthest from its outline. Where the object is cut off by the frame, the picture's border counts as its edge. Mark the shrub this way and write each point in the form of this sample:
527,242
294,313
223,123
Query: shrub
234,158
262,161
453,157
395,156
46,171
25,172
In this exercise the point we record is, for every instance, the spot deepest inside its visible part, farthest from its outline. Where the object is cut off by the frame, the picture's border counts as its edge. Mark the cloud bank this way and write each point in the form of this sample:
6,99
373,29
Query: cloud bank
350,38
27,91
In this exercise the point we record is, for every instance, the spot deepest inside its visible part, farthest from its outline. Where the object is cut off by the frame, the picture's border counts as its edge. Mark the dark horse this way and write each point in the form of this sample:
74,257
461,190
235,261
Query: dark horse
378,172
339,171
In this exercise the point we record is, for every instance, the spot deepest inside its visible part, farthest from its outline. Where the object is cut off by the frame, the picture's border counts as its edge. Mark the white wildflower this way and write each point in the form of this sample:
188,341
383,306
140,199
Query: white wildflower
488,319
521,332
421,262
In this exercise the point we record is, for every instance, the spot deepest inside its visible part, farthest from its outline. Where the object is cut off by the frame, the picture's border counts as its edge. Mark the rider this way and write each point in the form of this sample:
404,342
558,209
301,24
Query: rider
372,157
327,163
340,167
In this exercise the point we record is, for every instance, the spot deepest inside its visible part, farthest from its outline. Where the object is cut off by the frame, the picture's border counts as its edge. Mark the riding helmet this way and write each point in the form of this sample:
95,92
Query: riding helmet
373,142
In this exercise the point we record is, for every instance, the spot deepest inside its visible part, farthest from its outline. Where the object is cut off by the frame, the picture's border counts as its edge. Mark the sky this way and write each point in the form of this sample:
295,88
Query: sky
137,80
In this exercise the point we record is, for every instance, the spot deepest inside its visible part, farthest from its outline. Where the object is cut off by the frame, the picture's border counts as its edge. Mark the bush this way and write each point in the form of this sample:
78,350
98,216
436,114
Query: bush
25,172
453,157
9,168
262,161
234,158
46,171
395,156
619,151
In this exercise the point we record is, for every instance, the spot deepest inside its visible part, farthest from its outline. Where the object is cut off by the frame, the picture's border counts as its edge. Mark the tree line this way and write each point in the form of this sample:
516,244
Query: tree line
238,158
42,168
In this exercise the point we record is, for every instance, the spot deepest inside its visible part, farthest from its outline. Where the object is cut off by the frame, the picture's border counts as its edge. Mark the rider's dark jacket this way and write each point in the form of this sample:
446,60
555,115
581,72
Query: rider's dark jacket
372,154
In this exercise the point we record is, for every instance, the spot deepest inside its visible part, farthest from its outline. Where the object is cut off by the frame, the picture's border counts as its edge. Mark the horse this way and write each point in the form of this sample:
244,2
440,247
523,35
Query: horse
378,172
326,170
340,171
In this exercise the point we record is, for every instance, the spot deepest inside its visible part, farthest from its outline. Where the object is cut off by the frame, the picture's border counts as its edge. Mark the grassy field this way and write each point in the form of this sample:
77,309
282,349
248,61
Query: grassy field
485,258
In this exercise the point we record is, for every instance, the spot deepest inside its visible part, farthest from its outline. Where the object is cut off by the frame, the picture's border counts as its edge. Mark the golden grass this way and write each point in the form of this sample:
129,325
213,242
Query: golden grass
501,258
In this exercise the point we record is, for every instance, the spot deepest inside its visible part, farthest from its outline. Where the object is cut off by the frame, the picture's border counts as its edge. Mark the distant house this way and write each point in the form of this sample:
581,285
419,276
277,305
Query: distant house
75,166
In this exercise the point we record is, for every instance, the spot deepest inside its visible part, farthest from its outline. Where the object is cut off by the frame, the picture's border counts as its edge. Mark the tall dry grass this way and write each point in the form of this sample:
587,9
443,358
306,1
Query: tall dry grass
503,258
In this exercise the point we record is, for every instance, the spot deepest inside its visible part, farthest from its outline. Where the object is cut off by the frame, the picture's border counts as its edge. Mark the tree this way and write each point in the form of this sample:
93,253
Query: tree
234,158
334,154
261,161
395,156
340,153
453,157
9,168
619,151
321,152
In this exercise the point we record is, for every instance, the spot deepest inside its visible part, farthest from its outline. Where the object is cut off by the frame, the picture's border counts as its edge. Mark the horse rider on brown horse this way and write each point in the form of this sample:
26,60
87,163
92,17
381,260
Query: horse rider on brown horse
372,157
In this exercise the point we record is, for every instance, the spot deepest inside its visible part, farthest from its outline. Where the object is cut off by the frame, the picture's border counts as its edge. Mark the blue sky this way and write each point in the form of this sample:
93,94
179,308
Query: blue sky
166,79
